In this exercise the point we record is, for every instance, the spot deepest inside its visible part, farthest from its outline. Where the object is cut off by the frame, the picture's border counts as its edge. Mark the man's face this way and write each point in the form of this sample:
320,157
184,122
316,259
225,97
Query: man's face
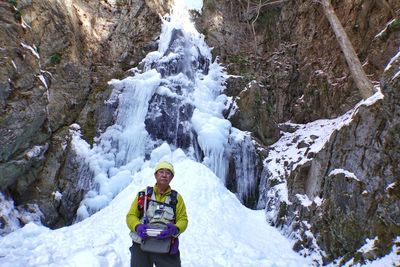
163,177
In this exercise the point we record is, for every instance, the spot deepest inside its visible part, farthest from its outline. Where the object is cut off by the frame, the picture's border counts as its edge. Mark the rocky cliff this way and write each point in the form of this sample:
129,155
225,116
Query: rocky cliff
293,70
57,57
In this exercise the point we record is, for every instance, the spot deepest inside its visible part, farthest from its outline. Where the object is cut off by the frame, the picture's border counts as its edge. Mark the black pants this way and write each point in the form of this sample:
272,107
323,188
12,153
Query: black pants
140,258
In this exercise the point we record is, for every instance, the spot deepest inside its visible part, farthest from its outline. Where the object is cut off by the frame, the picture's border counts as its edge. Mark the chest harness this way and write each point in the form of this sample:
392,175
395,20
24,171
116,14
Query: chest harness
156,212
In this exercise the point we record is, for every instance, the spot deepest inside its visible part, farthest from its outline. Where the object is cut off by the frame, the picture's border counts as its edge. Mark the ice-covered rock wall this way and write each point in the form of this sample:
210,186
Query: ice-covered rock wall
173,100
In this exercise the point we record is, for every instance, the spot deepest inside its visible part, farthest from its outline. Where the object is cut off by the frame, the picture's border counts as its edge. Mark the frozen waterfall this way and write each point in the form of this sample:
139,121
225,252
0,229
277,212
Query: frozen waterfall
172,104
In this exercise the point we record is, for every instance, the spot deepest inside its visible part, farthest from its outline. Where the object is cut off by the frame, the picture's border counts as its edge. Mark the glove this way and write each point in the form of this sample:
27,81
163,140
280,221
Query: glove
171,230
174,246
141,230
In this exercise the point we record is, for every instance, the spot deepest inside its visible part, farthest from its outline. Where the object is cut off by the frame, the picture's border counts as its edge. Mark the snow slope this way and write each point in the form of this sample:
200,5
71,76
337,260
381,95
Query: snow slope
221,231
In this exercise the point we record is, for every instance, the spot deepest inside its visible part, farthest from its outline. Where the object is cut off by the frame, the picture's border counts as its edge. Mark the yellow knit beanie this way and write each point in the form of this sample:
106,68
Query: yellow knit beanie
165,165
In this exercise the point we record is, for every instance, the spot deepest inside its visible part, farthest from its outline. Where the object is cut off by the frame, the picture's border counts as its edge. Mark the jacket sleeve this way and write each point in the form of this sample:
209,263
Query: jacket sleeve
181,216
133,216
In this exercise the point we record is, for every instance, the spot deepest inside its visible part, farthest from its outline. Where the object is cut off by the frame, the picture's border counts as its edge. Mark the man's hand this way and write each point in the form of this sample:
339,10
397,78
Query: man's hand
141,230
171,230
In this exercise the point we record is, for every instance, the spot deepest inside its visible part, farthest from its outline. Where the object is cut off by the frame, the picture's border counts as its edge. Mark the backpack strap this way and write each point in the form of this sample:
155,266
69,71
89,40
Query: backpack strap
143,198
173,201
149,191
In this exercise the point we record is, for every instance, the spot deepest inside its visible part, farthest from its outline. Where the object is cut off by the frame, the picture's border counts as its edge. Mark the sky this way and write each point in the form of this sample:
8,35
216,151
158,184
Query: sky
191,4
221,232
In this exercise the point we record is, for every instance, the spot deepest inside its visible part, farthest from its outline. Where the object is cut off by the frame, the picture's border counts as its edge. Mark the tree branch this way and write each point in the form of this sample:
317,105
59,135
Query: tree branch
363,84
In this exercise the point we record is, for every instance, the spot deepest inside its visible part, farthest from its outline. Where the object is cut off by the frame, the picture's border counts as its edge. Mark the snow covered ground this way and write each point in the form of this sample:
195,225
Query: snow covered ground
221,232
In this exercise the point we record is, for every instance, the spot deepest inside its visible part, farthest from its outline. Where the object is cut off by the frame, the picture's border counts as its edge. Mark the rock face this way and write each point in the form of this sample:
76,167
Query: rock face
362,199
23,104
297,59
291,68
57,57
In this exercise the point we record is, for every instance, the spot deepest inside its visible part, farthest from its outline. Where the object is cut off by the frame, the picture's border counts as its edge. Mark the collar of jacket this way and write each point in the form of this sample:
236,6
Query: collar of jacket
167,192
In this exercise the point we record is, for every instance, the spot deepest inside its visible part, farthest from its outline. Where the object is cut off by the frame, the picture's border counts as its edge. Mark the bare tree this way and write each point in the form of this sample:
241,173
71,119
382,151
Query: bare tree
363,84
253,10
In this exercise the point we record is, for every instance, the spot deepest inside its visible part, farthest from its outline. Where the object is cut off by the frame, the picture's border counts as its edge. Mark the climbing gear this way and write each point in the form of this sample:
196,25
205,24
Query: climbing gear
165,165
158,216
146,197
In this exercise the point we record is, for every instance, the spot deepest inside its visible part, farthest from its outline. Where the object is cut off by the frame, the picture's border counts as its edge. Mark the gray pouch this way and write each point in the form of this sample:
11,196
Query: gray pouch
155,245
152,244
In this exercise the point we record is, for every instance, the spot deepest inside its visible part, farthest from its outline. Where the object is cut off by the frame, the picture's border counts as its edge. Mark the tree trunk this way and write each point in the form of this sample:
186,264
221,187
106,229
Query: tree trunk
363,84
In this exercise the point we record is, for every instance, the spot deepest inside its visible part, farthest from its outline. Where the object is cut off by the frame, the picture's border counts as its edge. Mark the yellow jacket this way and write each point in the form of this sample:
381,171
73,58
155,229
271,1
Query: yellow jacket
133,216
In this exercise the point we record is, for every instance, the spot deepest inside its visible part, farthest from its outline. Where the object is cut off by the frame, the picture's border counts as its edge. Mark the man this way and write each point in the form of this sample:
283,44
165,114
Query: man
154,207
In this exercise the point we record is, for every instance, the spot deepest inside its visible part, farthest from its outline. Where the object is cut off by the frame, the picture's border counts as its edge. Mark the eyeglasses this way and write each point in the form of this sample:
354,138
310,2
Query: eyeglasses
164,172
